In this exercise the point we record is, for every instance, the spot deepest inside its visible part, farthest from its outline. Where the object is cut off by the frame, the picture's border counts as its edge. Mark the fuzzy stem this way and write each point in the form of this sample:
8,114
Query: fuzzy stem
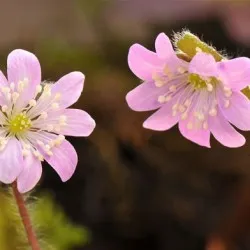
25,218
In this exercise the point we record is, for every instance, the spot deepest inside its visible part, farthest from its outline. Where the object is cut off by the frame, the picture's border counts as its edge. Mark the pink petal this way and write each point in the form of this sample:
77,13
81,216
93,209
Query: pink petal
238,112
70,87
11,161
3,83
144,97
30,175
224,132
63,160
235,72
197,135
22,64
203,64
143,62
78,123
163,46
162,119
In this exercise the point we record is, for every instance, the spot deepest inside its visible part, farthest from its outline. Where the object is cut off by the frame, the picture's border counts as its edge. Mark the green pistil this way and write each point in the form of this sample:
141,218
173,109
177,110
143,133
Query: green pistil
189,44
199,83
20,123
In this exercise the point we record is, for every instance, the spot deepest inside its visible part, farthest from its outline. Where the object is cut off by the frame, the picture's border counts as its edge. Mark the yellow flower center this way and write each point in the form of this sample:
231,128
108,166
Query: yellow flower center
19,123
200,83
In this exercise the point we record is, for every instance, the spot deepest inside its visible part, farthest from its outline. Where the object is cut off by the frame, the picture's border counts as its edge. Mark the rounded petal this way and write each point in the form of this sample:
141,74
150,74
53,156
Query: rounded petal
162,119
31,174
223,132
63,160
23,65
70,87
11,161
144,97
143,62
235,73
195,134
163,46
203,64
238,112
78,122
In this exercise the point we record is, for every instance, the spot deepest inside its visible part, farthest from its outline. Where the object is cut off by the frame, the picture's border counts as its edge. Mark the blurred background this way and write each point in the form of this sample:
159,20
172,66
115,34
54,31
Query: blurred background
133,188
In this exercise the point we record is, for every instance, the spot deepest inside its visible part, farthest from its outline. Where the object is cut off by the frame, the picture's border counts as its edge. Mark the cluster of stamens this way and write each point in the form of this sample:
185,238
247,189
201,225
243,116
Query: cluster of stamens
192,95
33,117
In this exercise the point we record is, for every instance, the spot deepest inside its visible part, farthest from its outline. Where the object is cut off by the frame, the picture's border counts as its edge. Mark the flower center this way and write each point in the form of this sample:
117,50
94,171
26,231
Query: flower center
200,83
20,123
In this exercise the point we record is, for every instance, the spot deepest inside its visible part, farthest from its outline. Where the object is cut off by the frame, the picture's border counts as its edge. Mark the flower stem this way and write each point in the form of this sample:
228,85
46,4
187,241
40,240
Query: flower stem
25,218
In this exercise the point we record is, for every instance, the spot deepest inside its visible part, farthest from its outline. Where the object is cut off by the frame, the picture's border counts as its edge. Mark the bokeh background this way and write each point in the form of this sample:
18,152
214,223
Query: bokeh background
133,188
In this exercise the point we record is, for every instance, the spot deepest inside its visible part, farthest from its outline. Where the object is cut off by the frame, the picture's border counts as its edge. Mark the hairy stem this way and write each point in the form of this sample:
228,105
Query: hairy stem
25,218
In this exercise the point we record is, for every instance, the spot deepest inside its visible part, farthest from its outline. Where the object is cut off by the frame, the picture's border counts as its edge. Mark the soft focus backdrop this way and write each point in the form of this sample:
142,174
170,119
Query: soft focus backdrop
133,189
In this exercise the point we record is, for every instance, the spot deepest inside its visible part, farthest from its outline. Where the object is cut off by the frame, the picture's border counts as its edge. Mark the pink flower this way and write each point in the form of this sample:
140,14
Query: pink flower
34,118
202,96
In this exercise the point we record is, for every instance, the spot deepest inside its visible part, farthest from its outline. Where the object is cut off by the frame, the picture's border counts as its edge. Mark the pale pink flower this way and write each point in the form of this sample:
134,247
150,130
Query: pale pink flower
203,96
34,119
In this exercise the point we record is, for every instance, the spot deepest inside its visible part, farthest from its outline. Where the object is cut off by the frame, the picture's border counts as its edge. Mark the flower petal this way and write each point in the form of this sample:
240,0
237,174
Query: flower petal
203,64
22,64
238,112
143,62
195,134
78,122
11,161
235,72
224,132
70,87
3,83
31,174
63,160
163,47
162,119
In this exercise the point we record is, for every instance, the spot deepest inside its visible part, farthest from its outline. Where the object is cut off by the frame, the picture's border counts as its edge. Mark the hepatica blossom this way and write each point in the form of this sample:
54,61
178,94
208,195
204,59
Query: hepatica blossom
203,96
34,119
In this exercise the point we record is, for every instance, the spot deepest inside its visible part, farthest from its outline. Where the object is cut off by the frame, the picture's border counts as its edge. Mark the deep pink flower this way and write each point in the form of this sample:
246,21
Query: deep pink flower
34,119
203,96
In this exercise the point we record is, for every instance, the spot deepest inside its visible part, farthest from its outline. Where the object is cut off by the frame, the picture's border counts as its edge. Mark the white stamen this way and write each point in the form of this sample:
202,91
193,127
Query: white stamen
58,96
228,93
175,106
20,86
167,72
4,108
58,141
168,98
210,87
159,83
213,112
172,88
57,128
44,115
15,96
25,152
181,108
226,103
32,103
156,76
38,89
55,105
47,90
161,99
187,103
181,70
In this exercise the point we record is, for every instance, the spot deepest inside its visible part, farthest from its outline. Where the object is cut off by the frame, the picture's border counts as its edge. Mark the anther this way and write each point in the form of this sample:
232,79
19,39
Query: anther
55,105
172,88
210,87
15,96
32,103
4,108
213,112
12,86
226,103
44,115
190,125
161,99
181,70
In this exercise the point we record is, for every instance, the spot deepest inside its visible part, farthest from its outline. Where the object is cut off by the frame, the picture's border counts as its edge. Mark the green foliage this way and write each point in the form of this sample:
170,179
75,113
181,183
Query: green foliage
54,230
